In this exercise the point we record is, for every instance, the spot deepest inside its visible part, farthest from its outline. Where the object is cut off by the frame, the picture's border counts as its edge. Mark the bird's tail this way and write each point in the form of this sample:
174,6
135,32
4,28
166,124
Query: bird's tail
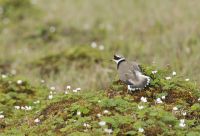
143,82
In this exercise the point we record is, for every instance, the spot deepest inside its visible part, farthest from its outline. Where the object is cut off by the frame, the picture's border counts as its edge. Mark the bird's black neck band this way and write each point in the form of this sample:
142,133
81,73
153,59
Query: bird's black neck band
120,62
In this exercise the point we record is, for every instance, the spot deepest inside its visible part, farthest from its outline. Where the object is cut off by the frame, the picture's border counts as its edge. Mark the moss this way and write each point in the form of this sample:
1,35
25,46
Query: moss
81,56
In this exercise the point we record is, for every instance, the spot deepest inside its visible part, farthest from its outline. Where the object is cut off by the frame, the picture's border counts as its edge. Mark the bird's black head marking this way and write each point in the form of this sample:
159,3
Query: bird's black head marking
117,57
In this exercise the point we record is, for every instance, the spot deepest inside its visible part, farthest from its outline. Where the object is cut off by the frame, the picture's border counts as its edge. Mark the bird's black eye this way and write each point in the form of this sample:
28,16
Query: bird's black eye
116,57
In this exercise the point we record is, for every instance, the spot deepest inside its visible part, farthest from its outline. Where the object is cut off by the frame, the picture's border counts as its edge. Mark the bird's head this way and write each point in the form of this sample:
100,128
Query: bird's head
118,58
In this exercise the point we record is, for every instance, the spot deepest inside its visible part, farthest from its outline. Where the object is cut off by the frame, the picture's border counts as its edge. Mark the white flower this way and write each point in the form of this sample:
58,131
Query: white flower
105,111
17,107
36,102
143,99
78,89
174,73
52,29
19,82
184,113
140,107
86,125
168,78
101,47
78,113
93,44
163,97
4,76
154,72
141,130
99,115
102,123
187,79
75,91
42,81
13,72
99,101
109,131
50,97
1,116
68,87
175,109
53,88
182,123
66,92
158,100
199,99
23,108
28,108
37,120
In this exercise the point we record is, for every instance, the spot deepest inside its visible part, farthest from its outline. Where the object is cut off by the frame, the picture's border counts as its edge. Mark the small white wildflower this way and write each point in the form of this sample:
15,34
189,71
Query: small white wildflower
184,113
66,92
4,76
187,79
163,97
17,107
78,113
36,102
28,108
42,81
13,72
99,115
23,108
1,116
141,130
105,111
75,91
182,123
140,107
168,78
154,72
175,109
93,44
86,125
78,89
37,120
102,123
52,29
19,82
101,47
53,88
68,87
199,99
143,99
50,96
99,101
109,131
158,100
174,73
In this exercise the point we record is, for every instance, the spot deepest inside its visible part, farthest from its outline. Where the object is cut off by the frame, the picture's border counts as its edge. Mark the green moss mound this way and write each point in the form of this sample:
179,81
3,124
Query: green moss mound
124,113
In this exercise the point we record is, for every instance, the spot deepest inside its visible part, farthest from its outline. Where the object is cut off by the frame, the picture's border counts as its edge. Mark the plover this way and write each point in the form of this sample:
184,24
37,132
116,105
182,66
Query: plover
130,73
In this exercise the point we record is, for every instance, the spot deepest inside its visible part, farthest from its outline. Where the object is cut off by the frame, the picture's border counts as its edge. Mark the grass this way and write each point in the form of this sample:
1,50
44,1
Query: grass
51,41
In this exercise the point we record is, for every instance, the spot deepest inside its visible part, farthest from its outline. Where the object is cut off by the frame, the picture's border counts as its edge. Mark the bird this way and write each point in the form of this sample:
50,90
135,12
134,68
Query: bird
131,74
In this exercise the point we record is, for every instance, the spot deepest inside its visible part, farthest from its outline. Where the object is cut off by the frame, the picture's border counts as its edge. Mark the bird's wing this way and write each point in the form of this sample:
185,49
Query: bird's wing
137,80
135,66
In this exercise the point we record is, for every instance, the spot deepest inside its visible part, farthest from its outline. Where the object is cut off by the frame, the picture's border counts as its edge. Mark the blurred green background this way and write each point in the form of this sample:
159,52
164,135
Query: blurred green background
71,42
